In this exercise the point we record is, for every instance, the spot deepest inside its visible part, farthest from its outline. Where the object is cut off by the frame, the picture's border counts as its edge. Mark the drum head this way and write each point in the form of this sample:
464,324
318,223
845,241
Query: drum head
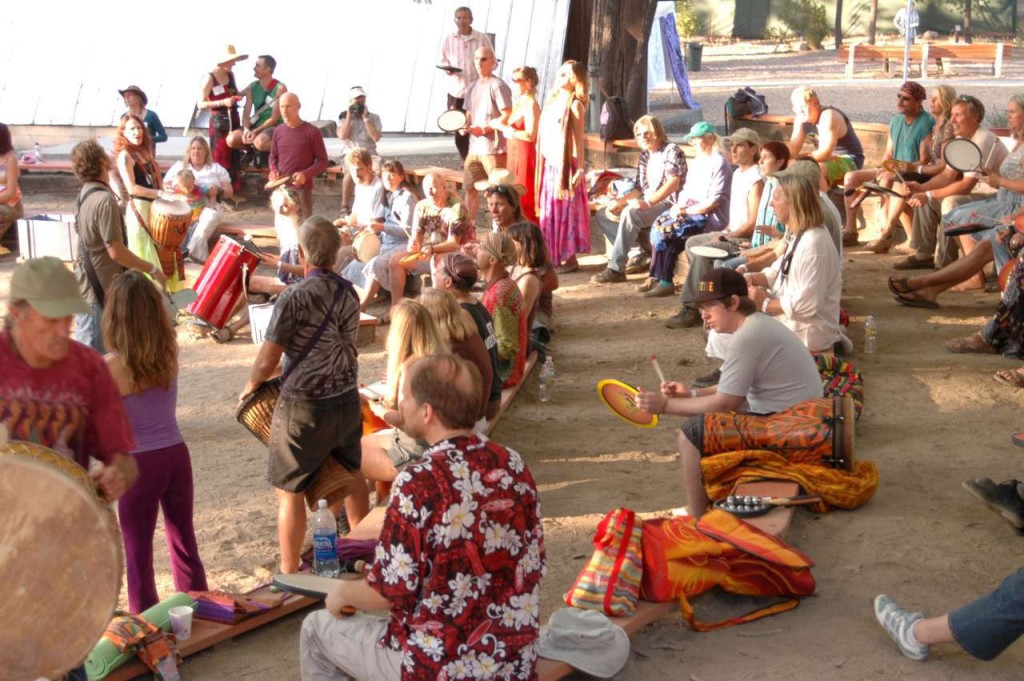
165,207
452,120
620,398
709,252
366,245
305,584
61,563
279,182
963,155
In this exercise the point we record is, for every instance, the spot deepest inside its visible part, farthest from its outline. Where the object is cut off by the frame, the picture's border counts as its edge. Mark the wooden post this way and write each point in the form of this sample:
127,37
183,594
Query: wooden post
997,68
849,62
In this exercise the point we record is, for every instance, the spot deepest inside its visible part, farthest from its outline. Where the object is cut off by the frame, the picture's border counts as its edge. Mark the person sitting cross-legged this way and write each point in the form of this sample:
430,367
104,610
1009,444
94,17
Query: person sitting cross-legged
767,369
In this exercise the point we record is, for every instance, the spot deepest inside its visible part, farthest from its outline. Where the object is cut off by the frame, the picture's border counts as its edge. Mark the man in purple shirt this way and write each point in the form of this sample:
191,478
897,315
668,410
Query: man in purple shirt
297,150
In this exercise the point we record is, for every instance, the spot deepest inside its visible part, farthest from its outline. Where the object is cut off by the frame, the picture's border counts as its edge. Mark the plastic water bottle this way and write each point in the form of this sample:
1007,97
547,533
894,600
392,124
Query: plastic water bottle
870,335
547,379
39,152
325,542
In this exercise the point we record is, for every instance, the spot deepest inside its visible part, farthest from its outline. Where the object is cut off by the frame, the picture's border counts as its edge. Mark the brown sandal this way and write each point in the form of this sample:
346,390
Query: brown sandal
973,344
1011,377
899,285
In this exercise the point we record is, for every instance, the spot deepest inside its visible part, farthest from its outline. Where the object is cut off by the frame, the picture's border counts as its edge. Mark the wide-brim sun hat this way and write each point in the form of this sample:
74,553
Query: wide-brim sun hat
230,55
585,639
137,90
500,177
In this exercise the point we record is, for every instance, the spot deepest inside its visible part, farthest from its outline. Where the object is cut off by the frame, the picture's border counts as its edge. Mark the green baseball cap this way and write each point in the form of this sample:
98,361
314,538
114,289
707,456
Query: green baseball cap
699,129
49,287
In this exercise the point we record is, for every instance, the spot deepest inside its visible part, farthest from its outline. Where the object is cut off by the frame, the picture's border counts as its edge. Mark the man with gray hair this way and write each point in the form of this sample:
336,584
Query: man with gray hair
314,325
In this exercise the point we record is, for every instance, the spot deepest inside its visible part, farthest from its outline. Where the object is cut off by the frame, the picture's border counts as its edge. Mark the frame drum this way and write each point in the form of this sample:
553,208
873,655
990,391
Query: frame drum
452,120
962,154
61,562
366,245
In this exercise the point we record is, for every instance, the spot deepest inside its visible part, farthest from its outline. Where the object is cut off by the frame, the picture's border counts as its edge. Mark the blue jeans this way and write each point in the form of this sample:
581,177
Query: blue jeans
986,627
623,234
87,328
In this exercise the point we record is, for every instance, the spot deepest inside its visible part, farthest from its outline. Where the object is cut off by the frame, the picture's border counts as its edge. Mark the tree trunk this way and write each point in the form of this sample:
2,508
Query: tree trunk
636,83
839,23
618,45
967,21
873,22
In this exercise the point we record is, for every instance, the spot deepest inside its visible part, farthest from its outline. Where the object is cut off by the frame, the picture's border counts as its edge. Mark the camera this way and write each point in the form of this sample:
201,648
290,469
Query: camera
357,109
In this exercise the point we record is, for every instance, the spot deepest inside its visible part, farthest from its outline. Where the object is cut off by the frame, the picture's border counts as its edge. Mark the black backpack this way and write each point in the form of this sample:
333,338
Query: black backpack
615,121
745,102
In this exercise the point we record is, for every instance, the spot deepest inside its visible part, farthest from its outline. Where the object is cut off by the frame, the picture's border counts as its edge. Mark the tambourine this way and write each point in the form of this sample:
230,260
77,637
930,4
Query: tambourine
963,155
620,398
709,252
452,120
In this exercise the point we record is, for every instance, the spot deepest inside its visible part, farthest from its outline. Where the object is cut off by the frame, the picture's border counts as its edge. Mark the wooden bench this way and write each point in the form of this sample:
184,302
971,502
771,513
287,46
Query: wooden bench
776,523
206,634
921,53
509,394
873,136
240,229
65,167
452,177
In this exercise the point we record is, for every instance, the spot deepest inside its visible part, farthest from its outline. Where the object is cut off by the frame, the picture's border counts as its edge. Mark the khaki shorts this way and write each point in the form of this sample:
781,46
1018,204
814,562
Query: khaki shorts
477,167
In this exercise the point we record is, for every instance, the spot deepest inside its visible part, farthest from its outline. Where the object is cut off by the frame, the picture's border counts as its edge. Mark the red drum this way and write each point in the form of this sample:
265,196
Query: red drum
219,286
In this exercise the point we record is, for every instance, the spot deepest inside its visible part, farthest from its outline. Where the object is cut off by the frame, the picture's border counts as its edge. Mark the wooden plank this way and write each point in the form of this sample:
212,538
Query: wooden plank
206,634
509,394
775,522
240,229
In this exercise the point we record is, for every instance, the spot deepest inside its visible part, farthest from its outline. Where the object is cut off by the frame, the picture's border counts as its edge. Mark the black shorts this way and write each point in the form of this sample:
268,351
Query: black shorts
693,429
304,432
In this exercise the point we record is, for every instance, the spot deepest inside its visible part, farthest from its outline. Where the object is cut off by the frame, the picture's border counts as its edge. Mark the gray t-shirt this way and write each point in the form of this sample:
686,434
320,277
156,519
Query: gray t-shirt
100,223
768,365
485,100
357,135
330,368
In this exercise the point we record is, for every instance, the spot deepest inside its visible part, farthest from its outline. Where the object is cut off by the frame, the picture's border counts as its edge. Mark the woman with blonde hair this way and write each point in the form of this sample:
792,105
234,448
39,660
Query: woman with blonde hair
143,360
458,327
413,334
520,133
802,287
564,213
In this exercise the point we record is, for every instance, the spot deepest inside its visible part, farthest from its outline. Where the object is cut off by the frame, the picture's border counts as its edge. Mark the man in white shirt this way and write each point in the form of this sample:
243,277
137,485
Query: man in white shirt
488,99
361,129
767,369
457,52
949,189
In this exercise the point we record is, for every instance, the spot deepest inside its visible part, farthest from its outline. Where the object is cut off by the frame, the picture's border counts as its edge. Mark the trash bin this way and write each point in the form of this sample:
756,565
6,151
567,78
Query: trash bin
693,53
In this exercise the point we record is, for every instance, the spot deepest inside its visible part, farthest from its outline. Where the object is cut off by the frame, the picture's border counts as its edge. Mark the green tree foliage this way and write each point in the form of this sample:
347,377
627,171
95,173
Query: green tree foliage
806,18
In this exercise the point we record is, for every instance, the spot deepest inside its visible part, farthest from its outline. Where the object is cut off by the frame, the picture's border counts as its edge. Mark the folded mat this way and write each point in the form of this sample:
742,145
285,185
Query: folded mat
105,657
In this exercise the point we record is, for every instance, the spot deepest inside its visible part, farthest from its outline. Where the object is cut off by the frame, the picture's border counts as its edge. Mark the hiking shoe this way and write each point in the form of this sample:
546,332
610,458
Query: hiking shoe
649,283
684,319
1003,498
609,276
899,624
638,264
660,290
707,380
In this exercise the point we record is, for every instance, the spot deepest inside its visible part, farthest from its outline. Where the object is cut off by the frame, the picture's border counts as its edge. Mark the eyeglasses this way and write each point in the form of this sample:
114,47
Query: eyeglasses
499,189
904,98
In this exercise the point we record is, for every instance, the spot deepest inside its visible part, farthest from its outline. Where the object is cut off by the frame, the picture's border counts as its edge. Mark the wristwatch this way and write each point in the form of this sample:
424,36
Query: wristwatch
764,305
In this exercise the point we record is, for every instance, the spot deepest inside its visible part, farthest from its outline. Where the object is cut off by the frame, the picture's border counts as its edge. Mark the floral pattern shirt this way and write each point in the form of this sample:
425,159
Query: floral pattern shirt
433,225
460,559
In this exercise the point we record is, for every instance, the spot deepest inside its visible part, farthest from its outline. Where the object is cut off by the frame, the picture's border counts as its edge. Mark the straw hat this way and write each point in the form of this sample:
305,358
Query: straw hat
587,640
500,177
230,56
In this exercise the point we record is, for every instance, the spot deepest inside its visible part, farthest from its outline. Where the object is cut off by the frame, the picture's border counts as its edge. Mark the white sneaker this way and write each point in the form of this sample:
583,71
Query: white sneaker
899,623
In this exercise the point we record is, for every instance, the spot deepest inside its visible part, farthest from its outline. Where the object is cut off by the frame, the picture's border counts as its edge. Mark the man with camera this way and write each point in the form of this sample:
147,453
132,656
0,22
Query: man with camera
361,129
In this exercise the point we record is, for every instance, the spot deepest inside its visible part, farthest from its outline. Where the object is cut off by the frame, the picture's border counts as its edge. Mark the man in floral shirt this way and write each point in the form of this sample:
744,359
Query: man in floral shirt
460,558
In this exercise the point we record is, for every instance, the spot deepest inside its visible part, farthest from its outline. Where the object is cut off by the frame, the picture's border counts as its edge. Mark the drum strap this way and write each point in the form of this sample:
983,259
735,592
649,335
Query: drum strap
90,270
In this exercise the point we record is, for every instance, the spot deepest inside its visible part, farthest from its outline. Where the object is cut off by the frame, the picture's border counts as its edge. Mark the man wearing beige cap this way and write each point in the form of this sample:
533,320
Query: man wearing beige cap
46,373
360,129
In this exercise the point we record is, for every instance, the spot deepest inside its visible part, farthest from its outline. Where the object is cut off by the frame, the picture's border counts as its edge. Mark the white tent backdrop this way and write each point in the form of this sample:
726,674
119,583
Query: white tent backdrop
63,62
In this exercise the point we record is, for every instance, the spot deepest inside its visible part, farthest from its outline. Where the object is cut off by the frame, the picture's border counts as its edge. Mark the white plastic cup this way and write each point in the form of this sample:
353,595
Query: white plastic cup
181,621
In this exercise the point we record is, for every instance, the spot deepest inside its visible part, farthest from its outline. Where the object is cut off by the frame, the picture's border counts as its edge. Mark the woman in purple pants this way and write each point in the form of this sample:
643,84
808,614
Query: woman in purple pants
144,362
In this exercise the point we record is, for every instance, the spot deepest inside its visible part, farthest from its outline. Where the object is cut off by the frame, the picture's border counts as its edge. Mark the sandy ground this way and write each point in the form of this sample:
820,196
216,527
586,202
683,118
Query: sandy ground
931,420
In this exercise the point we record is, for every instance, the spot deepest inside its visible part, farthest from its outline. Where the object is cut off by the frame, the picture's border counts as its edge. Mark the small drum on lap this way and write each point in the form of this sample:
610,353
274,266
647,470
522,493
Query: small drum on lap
61,563
366,245
816,431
